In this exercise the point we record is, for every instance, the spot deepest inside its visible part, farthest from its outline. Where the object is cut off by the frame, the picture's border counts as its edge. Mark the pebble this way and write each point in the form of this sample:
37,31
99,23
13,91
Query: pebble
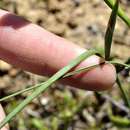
4,66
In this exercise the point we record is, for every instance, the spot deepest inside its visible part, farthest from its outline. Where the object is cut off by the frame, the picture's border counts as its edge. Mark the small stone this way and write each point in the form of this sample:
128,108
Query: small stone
4,66
13,72
44,101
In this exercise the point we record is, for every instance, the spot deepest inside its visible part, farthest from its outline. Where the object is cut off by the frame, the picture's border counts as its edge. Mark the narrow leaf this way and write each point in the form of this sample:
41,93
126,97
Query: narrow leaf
38,85
110,30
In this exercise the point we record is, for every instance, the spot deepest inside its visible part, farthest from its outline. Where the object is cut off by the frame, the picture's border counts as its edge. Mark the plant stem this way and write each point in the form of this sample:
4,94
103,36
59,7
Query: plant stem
119,63
65,76
126,100
46,85
121,13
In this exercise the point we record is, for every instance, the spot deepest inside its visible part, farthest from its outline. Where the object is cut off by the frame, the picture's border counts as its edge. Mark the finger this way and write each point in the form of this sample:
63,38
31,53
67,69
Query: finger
2,116
32,48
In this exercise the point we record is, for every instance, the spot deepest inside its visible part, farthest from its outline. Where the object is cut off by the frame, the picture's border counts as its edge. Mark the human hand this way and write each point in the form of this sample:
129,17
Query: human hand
34,49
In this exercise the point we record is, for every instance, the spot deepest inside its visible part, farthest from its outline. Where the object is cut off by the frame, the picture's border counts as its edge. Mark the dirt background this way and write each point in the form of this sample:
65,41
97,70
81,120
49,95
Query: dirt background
83,22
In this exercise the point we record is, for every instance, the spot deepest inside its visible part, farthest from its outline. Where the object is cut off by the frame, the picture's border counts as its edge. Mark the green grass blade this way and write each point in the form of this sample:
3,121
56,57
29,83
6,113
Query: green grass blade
121,13
46,85
20,92
126,100
110,30
38,85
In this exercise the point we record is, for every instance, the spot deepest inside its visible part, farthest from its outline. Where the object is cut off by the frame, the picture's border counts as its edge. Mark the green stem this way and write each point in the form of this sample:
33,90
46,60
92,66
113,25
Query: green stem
121,13
46,85
119,63
123,92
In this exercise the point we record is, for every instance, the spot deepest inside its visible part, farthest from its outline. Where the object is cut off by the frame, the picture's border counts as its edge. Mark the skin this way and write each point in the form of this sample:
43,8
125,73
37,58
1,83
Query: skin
34,49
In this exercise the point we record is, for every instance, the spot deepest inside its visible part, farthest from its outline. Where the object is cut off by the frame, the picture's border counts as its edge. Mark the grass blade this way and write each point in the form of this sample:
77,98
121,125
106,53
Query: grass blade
121,13
110,30
46,85
38,85
20,92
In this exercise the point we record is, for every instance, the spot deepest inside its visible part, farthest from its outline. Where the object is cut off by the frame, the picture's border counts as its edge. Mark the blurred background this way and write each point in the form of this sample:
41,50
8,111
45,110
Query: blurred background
83,22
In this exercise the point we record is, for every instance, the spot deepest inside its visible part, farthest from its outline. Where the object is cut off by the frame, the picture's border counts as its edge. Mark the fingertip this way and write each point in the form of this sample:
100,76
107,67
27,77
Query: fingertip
100,78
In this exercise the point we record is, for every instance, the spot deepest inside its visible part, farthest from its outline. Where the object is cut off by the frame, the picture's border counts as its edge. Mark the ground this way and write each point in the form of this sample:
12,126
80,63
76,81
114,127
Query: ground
83,22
